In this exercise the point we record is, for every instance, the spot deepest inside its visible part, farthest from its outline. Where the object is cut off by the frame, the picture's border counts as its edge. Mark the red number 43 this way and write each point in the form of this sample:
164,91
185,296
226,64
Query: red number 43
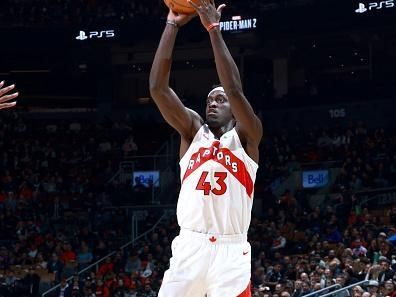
219,189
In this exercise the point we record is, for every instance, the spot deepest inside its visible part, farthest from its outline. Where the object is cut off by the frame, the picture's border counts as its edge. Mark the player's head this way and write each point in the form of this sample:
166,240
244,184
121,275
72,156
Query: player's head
218,109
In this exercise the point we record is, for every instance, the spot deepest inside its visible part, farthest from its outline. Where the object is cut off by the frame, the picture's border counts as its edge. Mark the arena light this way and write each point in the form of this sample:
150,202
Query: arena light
31,71
143,100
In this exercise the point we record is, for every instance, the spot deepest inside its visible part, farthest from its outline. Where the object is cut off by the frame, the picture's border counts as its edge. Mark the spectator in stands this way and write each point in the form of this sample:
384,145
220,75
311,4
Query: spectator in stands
358,249
386,271
297,291
274,276
64,290
376,243
55,266
129,147
120,290
259,276
333,235
341,280
106,267
31,282
148,291
372,288
287,201
278,242
68,257
306,288
76,288
84,256
357,291
133,263
388,288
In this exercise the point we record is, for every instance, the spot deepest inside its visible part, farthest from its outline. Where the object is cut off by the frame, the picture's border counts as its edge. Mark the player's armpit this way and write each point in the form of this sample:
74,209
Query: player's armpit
185,121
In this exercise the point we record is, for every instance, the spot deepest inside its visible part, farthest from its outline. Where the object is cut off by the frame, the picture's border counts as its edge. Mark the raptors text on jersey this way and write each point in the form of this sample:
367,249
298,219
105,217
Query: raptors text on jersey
217,176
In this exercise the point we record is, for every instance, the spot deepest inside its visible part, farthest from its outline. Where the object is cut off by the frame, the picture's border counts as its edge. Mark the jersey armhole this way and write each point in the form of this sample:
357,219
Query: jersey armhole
254,163
197,135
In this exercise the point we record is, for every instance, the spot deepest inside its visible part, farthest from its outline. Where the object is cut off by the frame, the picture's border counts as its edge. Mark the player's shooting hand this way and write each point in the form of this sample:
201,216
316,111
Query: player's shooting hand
180,19
5,98
207,11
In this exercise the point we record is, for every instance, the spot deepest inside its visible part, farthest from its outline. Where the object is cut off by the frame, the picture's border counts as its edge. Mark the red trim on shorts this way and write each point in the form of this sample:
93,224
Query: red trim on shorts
247,292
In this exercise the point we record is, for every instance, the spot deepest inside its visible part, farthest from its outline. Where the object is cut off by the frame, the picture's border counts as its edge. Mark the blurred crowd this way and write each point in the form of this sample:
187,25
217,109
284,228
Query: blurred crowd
77,12
57,213
367,157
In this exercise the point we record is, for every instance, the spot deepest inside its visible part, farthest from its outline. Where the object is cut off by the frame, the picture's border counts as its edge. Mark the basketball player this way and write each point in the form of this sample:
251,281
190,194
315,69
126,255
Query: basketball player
219,156
4,98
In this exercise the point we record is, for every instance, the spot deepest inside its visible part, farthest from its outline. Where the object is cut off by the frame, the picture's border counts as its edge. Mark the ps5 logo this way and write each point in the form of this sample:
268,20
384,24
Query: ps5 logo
375,5
362,8
95,35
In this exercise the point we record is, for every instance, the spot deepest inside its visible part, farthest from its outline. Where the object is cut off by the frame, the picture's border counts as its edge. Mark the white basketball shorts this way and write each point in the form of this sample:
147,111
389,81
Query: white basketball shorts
208,265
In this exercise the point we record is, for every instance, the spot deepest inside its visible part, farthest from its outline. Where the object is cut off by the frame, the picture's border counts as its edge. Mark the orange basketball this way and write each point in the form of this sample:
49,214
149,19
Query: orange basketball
182,6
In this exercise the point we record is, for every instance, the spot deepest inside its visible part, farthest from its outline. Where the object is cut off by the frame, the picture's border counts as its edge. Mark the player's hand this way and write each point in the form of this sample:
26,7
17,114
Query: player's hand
180,19
5,98
207,11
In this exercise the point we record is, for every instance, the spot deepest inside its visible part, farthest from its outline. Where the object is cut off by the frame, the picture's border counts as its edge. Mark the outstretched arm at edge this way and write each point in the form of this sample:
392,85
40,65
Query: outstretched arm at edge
172,109
5,98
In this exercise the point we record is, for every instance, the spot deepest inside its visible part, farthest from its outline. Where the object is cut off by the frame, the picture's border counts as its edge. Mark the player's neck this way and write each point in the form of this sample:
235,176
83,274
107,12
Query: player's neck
219,131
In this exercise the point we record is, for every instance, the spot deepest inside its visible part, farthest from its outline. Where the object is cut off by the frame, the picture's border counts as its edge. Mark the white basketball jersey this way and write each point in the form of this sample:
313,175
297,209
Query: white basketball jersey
217,185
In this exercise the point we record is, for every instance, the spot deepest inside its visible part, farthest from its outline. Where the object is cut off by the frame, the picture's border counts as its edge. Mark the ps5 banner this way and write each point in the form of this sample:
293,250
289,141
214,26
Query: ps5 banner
370,7
87,35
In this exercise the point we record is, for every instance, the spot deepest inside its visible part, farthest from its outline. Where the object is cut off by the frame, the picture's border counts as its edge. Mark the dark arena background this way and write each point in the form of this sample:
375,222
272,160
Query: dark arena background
89,174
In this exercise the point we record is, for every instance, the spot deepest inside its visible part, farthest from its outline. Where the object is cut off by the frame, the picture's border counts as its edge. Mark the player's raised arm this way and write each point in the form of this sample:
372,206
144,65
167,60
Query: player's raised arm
169,104
5,97
247,121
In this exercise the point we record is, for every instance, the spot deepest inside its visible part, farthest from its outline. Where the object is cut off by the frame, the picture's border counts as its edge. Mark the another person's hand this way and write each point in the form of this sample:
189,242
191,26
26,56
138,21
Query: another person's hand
5,98
207,12
180,19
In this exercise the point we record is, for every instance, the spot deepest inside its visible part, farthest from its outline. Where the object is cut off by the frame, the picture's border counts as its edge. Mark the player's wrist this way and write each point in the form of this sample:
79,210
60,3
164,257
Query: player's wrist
172,23
213,26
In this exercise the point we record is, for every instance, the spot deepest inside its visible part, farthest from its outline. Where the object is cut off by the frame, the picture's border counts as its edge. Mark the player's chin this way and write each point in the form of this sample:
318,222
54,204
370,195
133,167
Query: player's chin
212,121
211,117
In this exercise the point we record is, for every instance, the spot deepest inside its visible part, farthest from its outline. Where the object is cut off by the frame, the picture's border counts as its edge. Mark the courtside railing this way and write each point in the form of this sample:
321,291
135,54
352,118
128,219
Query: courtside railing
97,263
344,288
315,293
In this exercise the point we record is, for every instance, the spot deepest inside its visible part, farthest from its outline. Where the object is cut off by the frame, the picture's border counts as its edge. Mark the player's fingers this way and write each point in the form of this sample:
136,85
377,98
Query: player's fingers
203,3
196,7
7,105
1,83
8,97
5,90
